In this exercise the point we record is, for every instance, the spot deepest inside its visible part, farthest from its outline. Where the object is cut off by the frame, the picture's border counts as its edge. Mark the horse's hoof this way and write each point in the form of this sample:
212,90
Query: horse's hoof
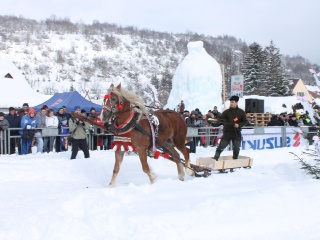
181,178
112,185
189,172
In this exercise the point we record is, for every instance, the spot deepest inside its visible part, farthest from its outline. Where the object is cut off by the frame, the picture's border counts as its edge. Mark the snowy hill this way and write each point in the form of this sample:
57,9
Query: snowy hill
56,55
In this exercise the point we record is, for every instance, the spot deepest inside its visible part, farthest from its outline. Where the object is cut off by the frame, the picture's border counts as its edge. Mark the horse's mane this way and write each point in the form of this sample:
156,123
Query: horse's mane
133,98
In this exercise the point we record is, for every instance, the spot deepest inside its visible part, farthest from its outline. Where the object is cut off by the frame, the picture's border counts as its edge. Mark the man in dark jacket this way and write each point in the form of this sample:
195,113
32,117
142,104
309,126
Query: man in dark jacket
233,120
293,121
14,122
274,121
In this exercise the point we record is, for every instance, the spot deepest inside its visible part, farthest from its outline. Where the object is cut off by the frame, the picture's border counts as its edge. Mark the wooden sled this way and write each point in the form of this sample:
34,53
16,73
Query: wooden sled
225,163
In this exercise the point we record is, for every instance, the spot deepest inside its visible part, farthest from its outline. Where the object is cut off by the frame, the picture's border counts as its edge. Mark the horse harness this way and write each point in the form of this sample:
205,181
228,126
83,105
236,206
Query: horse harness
133,123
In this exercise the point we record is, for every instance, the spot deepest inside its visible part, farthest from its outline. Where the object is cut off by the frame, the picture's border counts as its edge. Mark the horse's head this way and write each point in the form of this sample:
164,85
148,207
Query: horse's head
112,103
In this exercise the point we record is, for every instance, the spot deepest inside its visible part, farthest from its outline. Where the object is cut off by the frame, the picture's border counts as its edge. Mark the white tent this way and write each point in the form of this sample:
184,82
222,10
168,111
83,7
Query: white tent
15,90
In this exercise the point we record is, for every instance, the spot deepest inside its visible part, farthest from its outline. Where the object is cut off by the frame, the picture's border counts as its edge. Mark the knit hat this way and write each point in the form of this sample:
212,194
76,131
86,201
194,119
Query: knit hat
25,104
31,110
76,108
83,111
234,98
92,108
1,114
11,108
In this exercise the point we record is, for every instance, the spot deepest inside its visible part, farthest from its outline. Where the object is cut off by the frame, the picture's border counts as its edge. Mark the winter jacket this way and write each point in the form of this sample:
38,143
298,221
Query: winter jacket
14,122
28,122
41,121
232,116
78,130
4,125
293,123
274,122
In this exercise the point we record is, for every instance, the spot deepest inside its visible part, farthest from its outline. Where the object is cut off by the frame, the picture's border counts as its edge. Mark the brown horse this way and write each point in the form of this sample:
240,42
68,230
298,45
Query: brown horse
119,107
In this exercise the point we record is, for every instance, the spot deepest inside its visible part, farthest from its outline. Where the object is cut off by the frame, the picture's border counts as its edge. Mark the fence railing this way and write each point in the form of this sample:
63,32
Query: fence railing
283,136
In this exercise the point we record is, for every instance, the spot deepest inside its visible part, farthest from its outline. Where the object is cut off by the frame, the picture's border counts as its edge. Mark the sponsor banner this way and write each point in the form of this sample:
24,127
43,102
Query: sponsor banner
237,85
272,139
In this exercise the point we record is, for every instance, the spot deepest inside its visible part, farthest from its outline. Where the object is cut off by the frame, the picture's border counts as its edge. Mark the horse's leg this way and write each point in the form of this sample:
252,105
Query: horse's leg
169,145
180,144
116,168
144,163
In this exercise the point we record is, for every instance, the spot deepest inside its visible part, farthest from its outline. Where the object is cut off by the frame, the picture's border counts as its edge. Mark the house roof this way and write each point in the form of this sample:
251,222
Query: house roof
293,83
15,90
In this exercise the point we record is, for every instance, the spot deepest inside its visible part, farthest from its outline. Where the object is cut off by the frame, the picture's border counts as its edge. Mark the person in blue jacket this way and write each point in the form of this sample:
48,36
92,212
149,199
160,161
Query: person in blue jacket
28,122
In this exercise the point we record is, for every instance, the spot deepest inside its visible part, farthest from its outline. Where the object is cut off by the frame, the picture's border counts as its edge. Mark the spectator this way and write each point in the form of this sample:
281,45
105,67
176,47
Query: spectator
14,122
293,121
282,119
64,129
51,122
274,121
61,114
41,123
45,107
78,130
65,112
209,115
306,120
4,125
84,113
24,110
215,112
28,122
94,130
92,115
101,139
182,107
189,122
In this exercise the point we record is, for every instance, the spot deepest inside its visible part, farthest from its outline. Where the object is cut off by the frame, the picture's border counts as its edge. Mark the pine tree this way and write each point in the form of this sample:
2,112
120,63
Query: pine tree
155,81
253,70
165,87
276,83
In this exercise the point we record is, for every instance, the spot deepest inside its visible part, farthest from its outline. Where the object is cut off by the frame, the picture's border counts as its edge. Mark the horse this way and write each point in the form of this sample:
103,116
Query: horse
120,107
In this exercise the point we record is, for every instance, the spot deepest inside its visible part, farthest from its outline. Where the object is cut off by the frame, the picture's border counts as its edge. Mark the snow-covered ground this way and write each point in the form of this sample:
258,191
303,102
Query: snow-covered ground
48,196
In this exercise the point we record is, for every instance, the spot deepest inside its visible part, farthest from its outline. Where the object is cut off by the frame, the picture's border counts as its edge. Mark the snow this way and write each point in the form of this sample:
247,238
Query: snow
15,91
48,196
197,81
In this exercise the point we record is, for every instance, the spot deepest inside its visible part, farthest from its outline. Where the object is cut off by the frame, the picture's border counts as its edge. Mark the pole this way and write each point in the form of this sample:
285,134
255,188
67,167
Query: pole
223,87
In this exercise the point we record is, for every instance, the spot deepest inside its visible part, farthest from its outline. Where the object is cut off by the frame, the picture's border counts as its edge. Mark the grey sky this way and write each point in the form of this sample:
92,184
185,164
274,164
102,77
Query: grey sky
292,25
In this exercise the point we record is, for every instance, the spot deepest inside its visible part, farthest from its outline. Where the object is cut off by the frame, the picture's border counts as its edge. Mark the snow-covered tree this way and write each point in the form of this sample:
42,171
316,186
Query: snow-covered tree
276,83
253,70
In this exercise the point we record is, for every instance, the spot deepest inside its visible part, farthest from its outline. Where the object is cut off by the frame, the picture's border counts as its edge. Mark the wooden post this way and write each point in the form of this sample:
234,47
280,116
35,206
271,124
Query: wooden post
223,87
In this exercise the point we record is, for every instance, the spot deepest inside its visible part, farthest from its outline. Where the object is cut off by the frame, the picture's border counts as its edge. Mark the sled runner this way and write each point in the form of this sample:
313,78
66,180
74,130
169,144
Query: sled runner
225,163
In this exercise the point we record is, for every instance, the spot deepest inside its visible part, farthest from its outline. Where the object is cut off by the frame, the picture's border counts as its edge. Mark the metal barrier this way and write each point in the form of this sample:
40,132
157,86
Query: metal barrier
207,132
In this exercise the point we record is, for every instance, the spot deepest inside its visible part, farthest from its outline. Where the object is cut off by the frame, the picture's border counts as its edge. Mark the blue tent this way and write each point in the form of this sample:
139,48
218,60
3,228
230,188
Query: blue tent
70,100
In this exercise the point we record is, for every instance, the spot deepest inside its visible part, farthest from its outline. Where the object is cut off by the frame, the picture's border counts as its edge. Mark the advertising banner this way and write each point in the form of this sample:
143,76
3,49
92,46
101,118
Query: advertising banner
237,85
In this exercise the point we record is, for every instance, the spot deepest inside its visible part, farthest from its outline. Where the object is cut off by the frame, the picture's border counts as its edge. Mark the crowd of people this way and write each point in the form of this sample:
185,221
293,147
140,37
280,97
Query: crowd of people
295,119
28,130
197,119
31,125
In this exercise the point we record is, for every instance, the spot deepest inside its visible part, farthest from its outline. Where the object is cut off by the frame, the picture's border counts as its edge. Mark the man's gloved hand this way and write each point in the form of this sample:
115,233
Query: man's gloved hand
106,125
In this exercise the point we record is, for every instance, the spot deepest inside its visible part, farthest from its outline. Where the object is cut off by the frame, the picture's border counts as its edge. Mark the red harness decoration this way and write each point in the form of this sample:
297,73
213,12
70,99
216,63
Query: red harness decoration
122,142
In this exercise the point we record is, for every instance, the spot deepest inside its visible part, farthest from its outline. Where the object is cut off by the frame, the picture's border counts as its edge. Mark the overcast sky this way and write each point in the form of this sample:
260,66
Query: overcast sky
293,25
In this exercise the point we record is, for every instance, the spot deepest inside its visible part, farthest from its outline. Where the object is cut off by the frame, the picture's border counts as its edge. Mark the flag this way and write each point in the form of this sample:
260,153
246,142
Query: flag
312,71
